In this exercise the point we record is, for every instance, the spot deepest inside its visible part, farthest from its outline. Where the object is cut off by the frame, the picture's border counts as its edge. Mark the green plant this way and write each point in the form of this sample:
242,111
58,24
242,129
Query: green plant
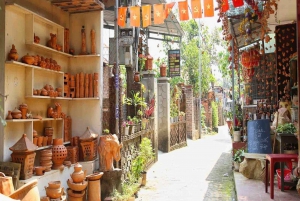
239,155
287,128
3,122
145,154
128,189
106,131
136,100
215,116
236,128
228,115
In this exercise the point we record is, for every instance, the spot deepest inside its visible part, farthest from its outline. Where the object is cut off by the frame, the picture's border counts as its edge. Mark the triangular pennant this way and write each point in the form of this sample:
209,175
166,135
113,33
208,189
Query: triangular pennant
208,8
146,13
135,16
122,16
183,10
237,3
196,9
225,6
168,8
158,13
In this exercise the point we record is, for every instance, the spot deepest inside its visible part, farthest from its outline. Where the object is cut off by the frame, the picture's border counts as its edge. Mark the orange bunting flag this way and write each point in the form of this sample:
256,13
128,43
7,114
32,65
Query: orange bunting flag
135,16
146,12
196,9
122,16
225,6
158,13
237,3
208,8
183,10
168,8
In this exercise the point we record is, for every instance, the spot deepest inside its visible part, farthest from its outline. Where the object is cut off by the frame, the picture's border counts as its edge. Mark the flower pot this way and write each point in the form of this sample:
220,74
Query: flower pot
229,123
144,178
163,70
148,63
236,136
126,130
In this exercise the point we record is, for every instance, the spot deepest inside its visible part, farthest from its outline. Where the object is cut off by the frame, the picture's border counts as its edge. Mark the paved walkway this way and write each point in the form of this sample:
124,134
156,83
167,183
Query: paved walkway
200,171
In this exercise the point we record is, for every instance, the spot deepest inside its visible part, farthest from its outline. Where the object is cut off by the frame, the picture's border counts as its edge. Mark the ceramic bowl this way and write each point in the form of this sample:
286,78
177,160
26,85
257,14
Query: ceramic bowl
54,184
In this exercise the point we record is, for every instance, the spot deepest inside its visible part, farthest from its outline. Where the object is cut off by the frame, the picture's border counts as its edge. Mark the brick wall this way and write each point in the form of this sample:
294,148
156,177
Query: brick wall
189,113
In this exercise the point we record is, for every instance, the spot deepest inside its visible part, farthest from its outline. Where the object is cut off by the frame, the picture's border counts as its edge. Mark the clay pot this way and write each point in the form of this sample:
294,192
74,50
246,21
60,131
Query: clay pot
16,114
53,193
49,142
77,186
78,175
58,47
36,39
44,92
47,87
13,55
45,140
23,107
40,141
28,59
35,92
50,112
136,77
48,131
39,170
54,184
94,176
75,196
59,153
59,89
163,70
34,133
9,116
35,139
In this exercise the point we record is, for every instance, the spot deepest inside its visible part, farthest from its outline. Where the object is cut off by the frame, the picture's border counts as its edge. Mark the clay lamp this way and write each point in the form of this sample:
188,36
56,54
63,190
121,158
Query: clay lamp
24,153
88,135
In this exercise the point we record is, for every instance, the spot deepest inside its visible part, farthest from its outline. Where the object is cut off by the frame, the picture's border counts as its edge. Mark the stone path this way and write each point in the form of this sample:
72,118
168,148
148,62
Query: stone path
200,171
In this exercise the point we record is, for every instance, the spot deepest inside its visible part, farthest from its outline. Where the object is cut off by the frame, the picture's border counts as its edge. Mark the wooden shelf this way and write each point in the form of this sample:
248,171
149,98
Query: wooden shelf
48,97
43,47
20,64
88,55
49,146
31,120
94,98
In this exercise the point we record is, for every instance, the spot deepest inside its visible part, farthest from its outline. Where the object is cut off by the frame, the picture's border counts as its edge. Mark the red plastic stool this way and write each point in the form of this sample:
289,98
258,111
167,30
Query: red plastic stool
272,159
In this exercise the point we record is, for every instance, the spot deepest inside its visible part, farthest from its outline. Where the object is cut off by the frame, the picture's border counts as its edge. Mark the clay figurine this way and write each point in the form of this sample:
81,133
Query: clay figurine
13,55
36,39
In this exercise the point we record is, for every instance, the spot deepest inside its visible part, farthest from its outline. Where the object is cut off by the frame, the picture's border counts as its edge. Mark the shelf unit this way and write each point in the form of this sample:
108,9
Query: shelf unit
21,78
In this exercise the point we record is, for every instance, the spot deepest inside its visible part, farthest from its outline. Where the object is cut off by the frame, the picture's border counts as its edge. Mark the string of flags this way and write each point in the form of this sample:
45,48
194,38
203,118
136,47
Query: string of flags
162,11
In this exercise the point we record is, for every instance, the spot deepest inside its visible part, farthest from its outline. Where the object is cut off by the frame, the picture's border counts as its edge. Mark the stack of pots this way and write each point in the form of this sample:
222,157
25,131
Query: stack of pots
77,184
54,191
48,132
46,159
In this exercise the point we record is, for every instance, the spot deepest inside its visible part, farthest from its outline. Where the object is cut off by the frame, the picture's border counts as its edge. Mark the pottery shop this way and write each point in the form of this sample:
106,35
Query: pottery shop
263,119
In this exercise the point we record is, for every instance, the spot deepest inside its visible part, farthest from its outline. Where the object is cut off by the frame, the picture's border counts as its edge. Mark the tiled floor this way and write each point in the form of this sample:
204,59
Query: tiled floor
254,190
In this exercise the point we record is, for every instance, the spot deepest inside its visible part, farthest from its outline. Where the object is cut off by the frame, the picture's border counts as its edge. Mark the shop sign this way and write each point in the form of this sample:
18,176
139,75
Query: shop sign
174,63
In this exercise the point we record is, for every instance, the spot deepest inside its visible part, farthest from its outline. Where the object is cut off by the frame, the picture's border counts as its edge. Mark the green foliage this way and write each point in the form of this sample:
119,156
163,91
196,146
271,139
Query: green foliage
228,115
136,100
128,189
203,117
106,131
176,80
3,122
145,154
236,128
215,117
238,156
287,128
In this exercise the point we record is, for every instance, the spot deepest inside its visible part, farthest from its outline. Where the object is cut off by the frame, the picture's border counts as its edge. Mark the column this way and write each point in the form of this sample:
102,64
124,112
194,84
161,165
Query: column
163,96
189,113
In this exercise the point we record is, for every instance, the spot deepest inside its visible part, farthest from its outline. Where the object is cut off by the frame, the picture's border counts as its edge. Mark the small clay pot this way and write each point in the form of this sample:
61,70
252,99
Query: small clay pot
44,92
38,92
54,184
40,141
36,39
34,133
53,193
39,170
35,92
35,139
9,116
13,55
28,59
16,114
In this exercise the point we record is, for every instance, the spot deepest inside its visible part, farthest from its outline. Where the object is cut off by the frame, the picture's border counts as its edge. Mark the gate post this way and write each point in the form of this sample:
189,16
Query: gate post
189,113
163,95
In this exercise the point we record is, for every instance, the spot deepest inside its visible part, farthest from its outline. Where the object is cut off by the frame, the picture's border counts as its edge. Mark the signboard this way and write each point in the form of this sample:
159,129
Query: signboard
174,63
259,138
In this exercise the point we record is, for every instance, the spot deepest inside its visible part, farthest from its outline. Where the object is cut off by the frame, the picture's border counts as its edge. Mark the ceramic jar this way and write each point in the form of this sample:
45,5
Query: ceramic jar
53,191
59,153
28,59
16,114
9,116
23,107
13,55
78,175
39,170
163,70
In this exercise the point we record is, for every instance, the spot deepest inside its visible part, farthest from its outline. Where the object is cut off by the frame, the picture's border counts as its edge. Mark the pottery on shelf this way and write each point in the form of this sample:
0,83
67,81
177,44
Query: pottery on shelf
54,184
13,55
59,153
9,116
34,133
23,107
52,42
36,39
53,193
28,59
78,175
16,114
39,170
77,186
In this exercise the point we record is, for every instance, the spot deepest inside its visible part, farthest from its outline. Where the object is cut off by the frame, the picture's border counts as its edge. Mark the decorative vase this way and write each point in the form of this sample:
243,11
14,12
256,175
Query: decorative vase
78,175
136,77
163,70
23,107
40,141
16,114
148,63
93,42
59,153
83,41
13,55
9,116
53,193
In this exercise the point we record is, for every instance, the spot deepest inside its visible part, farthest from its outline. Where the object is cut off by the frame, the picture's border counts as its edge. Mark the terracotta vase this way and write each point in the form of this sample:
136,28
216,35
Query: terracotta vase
40,141
35,139
53,193
23,107
136,77
59,153
16,114
54,184
163,70
78,175
39,170
9,116
13,55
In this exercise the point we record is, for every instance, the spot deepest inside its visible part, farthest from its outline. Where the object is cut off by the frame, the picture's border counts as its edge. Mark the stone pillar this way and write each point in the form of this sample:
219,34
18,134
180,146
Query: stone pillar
163,91
150,82
189,113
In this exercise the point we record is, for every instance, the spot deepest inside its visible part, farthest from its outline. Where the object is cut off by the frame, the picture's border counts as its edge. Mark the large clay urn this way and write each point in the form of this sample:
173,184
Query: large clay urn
59,153
78,175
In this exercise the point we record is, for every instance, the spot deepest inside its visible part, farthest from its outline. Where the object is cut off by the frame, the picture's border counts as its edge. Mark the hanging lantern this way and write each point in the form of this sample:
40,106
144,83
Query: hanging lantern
245,59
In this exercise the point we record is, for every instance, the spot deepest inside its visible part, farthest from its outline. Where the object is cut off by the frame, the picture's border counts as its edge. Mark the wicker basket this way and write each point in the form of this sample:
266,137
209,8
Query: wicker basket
73,154
27,163
88,150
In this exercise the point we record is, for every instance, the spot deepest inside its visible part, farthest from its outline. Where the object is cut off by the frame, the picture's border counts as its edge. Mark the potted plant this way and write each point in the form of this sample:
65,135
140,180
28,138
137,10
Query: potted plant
106,131
228,118
125,127
287,128
128,189
238,158
145,155
236,134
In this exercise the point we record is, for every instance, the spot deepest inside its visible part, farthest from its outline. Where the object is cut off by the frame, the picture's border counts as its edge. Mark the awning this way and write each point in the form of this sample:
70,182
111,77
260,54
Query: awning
171,26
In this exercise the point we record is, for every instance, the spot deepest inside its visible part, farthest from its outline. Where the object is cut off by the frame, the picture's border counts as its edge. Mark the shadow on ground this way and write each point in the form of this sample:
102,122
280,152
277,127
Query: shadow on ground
221,181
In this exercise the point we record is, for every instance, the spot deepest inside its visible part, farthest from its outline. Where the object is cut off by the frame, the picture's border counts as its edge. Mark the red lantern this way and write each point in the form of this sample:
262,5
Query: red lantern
245,59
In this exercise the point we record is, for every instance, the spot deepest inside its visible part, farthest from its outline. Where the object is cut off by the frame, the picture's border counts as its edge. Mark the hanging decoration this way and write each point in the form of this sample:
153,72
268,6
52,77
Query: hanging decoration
146,13
196,9
158,13
183,10
209,8
238,3
224,6
135,16
168,8
122,16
